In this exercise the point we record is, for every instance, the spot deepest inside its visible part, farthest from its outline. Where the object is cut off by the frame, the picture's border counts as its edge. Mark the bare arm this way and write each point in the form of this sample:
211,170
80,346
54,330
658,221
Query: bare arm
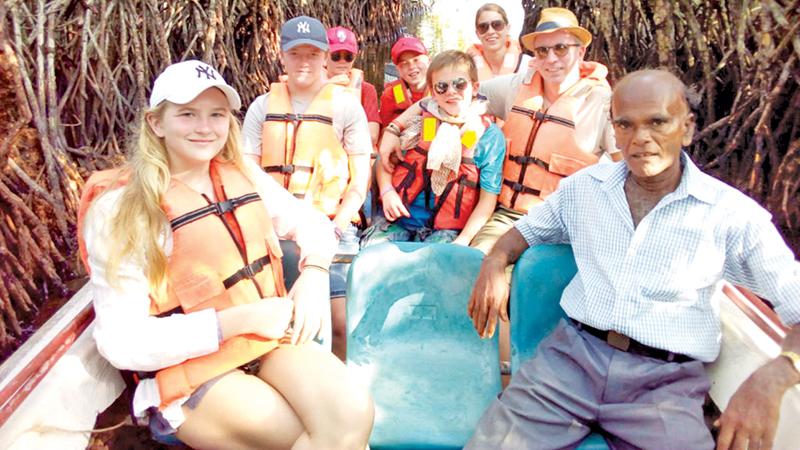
374,132
751,417
490,293
483,210
356,190
391,143
393,207
268,318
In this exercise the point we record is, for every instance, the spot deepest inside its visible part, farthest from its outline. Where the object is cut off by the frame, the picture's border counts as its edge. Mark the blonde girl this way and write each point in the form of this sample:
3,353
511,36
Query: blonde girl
189,298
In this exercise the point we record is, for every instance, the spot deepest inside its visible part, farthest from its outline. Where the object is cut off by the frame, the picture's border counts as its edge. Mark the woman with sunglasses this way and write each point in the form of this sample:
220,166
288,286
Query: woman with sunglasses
447,185
497,53
557,119
188,289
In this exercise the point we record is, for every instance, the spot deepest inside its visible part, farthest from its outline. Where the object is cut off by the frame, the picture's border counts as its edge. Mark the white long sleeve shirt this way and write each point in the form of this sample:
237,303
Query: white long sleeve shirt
125,332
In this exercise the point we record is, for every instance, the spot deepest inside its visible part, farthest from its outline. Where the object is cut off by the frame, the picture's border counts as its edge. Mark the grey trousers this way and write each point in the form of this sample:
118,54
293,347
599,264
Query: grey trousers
576,380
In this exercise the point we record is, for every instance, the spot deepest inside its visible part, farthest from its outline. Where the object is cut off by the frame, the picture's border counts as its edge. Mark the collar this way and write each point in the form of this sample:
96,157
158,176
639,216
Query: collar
693,181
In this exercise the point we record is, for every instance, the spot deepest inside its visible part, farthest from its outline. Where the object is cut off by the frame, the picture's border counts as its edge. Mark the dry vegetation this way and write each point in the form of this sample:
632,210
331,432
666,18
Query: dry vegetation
742,58
75,73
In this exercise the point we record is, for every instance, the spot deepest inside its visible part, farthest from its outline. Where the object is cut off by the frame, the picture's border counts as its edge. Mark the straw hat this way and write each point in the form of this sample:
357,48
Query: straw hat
557,19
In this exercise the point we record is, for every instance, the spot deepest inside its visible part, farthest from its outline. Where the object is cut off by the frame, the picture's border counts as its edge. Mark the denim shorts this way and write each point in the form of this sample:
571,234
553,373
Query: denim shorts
160,429
385,231
348,246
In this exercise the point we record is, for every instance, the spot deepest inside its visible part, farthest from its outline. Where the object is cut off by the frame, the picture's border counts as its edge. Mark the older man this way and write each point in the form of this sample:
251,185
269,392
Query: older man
556,118
651,236
556,122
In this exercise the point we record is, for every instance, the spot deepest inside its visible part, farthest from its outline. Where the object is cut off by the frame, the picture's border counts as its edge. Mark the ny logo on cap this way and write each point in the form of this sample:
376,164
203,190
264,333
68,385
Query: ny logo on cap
341,35
303,27
207,71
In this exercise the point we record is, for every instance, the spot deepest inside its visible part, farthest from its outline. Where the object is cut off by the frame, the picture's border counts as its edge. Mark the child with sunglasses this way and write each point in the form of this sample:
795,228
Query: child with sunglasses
342,52
497,53
446,187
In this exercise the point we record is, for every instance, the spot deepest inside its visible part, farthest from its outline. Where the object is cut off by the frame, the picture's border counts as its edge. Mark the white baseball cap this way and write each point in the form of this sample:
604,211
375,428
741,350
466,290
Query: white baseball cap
181,82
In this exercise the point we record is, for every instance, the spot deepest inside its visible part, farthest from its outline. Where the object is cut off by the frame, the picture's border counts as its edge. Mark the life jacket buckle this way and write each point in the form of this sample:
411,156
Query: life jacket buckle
249,273
224,206
295,117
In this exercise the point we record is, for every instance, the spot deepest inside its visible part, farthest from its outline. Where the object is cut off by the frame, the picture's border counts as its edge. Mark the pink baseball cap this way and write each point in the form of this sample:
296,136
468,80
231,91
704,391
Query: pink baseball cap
341,38
407,44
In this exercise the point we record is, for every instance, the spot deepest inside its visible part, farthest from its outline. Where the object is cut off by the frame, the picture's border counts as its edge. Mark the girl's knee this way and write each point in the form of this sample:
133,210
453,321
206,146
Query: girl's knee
351,424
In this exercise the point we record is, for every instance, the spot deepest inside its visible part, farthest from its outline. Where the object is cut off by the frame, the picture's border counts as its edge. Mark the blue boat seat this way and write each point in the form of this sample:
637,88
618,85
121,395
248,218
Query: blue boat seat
539,277
429,373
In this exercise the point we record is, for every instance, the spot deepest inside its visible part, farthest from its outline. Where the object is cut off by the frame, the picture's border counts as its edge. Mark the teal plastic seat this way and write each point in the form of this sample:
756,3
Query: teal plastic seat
430,375
539,278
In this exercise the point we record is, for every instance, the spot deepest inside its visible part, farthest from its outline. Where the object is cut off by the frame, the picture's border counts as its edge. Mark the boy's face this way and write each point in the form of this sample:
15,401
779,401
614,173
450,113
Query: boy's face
452,89
304,64
340,62
412,68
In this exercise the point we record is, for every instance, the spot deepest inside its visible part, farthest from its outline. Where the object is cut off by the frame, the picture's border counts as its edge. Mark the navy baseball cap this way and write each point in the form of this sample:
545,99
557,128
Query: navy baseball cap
303,30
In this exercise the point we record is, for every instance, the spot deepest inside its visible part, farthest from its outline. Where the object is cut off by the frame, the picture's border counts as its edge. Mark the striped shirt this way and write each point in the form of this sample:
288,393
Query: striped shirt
655,282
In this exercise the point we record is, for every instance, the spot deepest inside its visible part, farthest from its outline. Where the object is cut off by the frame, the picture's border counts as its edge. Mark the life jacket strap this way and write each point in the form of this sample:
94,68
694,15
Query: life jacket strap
525,160
520,188
288,168
247,272
291,117
542,117
216,208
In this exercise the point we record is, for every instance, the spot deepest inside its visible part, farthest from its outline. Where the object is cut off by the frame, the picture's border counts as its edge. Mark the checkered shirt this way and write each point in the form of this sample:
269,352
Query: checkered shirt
655,282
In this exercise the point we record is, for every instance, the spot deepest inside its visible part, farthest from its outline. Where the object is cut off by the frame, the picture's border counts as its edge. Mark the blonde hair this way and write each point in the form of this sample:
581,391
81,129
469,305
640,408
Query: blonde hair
139,223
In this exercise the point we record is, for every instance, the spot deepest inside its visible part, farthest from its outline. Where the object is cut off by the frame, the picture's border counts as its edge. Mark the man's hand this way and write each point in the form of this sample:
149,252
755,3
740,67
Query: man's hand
489,297
312,309
751,418
393,207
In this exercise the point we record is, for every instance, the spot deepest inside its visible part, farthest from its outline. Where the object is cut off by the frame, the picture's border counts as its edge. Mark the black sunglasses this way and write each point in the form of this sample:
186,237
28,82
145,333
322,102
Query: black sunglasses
483,27
558,49
459,84
347,56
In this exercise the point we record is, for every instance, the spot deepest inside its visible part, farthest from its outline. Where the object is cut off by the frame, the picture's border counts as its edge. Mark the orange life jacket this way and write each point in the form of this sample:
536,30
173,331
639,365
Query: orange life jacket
542,148
224,254
401,94
456,203
511,60
302,152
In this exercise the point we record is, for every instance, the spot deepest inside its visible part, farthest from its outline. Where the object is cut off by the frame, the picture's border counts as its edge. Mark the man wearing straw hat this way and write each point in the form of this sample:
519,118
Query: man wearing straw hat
556,118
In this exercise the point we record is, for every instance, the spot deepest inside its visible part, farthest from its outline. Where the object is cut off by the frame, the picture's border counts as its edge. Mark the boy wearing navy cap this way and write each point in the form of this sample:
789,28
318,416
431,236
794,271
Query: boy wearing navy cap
319,153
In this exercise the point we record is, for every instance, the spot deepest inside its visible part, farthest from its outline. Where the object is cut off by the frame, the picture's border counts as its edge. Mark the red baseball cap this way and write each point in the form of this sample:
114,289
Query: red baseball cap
407,44
341,38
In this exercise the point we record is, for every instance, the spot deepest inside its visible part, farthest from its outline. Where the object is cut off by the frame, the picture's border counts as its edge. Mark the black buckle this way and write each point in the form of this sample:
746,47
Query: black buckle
224,206
517,187
248,272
